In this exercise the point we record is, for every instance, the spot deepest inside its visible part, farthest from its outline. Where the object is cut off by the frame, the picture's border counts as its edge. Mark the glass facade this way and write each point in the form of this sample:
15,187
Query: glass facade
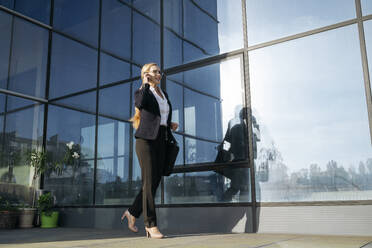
292,114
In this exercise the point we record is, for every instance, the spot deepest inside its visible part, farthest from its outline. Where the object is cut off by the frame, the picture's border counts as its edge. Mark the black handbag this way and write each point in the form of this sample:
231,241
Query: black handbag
171,153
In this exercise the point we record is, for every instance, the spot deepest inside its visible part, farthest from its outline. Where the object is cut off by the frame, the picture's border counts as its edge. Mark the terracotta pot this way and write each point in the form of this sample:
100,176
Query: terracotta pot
26,217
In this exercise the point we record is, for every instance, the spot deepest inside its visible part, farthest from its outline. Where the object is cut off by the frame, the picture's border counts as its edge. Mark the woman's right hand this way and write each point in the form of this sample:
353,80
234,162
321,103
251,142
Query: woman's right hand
145,82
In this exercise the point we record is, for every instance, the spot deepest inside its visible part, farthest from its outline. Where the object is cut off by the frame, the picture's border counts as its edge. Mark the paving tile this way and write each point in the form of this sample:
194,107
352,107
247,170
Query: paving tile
103,238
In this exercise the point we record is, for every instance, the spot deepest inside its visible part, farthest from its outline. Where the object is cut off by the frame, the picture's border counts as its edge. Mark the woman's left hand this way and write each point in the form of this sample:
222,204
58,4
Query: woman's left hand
174,126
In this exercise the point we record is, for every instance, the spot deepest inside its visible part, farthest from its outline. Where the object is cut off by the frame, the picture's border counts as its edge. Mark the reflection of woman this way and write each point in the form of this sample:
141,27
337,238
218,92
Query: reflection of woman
152,119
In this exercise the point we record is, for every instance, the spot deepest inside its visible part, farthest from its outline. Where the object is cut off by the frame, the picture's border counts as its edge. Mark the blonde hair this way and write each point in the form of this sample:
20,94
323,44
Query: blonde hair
137,115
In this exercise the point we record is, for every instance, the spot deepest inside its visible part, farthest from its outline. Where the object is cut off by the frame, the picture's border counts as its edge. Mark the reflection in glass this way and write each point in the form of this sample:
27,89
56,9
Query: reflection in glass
309,103
175,93
202,116
146,36
29,58
23,132
269,19
368,37
366,7
149,8
116,28
112,69
86,101
73,67
115,101
36,9
5,30
199,151
212,103
207,28
75,185
224,185
179,160
78,19
113,179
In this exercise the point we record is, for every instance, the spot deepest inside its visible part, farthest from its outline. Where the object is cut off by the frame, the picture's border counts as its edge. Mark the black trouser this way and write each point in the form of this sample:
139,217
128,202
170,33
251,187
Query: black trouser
150,155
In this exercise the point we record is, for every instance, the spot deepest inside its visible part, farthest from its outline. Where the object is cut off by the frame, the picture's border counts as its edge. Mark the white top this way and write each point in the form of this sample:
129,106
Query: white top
163,106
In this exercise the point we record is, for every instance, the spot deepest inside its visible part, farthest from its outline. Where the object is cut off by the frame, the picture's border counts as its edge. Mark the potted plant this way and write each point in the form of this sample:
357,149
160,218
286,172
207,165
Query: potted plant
49,218
8,214
37,159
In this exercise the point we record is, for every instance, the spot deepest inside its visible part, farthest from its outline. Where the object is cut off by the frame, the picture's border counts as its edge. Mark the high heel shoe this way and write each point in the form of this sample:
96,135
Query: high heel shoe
153,232
131,220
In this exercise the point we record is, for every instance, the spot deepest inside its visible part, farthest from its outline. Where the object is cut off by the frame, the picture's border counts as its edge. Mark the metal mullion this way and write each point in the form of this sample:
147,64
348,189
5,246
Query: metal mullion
114,118
47,87
192,89
131,129
366,18
198,138
363,51
125,81
22,108
97,104
17,14
8,79
163,82
72,108
247,103
204,11
65,35
140,12
303,34
17,94
129,61
209,166
204,62
235,204
72,94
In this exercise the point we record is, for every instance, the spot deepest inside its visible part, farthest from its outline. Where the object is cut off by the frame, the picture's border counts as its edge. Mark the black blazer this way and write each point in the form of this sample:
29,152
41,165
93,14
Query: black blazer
149,125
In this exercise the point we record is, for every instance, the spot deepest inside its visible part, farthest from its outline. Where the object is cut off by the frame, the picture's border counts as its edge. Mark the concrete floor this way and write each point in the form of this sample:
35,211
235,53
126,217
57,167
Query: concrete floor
85,237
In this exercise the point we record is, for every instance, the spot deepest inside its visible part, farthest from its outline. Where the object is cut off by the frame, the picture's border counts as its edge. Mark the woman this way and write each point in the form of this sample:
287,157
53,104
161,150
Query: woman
152,121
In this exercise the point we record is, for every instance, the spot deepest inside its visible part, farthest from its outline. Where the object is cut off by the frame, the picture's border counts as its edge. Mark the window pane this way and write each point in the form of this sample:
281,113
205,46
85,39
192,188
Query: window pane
175,93
270,19
113,164
29,58
112,69
207,28
73,67
366,7
36,9
149,8
116,28
199,151
309,103
75,185
202,116
86,101
368,37
5,30
227,185
23,132
78,18
146,47
7,3
115,101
